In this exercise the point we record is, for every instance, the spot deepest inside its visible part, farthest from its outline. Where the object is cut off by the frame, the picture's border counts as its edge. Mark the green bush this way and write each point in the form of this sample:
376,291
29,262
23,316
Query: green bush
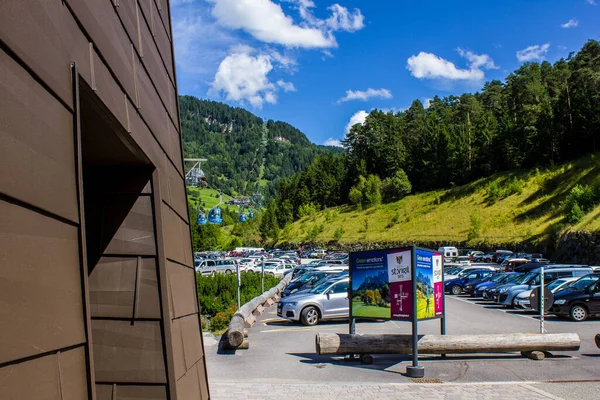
307,209
576,214
339,232
493,192
372,192
475,229
355,196
217,293
221,320
395,187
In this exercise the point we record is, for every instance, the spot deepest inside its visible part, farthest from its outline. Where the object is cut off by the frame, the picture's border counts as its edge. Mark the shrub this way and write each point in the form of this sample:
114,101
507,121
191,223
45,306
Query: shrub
221,320
475,229
493,192
372,192
339,232
395,187
576,214
395,219
355,196
515,186
307,209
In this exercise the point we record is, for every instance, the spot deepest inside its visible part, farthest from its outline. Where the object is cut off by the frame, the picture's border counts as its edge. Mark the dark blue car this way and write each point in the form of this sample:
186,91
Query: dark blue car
483,289
456,286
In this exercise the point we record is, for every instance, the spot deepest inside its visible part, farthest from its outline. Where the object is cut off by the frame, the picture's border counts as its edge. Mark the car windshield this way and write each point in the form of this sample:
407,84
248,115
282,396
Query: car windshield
555,284
529,278
452,270
583,282
464,273
322,284
499,278
270,266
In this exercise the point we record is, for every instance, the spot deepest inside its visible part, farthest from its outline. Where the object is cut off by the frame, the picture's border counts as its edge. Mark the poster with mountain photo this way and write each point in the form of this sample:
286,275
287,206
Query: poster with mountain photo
370,292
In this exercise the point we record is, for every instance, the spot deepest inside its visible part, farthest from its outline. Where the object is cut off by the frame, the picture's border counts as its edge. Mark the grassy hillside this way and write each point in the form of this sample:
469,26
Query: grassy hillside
509,207
208,198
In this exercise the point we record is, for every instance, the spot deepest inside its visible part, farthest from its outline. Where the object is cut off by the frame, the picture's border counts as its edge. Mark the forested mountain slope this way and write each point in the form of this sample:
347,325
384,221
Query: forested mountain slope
243,151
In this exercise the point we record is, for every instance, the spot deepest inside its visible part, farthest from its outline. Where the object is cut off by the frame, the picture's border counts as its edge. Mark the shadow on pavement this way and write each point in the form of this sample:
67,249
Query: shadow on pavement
380,362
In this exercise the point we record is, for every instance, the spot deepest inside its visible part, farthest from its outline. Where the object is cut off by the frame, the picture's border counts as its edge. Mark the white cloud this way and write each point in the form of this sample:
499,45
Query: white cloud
427,103
332,142
343,20
266,21
286,86
572,23
477,60
365,95
243,77
358,118
531,53
592,2
429,66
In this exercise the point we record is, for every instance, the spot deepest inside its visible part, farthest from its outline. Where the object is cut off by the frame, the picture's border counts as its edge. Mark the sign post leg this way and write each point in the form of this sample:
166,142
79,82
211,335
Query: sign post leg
415,371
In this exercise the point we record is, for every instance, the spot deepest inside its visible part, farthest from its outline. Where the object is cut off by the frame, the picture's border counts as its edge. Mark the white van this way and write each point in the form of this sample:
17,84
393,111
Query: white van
448,251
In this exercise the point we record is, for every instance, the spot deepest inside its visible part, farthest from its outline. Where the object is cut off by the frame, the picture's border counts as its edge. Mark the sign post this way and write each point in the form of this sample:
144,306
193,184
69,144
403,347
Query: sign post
403,284
239,285
542,300
262,272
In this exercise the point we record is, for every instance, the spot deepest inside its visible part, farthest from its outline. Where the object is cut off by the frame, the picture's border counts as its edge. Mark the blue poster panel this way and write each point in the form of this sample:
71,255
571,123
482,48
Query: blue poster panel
429,284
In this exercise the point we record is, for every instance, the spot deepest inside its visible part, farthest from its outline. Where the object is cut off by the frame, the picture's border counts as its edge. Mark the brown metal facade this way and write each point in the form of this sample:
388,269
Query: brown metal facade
97,286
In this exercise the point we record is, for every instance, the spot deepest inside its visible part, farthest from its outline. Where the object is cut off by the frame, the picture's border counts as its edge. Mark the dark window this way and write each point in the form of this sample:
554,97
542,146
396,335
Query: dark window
341,287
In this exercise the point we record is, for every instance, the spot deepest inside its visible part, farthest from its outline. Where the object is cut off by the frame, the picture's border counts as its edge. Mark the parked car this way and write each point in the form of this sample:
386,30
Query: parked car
477,289
277,269
448,252
463,260
448,275
307,281
522,299
457,286
326,301
507,295
487,257
525,268
509,264
211,267
500,255
579,300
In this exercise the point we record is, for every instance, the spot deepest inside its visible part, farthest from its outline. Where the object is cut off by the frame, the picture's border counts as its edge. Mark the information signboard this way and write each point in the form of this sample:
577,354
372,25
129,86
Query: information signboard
383,284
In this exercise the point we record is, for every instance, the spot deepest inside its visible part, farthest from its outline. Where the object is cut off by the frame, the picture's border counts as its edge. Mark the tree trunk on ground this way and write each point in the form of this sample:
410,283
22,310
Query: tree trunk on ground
334,343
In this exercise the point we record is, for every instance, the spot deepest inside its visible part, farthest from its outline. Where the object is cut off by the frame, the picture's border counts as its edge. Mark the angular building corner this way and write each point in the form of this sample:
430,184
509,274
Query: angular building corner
97,284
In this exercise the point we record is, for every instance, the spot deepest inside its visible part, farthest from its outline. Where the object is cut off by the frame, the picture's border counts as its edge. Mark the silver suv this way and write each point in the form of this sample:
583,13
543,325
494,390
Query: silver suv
328,300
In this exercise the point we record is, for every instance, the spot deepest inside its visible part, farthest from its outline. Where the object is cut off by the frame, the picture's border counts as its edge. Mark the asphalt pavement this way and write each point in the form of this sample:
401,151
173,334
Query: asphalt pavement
282,360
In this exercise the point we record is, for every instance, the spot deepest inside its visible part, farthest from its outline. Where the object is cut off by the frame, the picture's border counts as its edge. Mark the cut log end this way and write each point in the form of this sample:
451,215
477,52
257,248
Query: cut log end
534,355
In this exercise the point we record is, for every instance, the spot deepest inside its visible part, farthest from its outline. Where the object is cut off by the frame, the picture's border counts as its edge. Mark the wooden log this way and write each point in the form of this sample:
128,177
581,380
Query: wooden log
245,333
244,316
534,355
244,346
335,343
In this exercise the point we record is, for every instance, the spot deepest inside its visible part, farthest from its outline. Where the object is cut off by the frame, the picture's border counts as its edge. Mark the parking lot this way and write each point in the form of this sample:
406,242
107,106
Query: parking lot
282,351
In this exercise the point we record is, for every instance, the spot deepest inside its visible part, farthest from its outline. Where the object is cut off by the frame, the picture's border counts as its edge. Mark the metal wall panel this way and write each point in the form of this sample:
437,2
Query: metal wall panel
177,238
112,287
163,11
128,353
40,284
109,91
175,138
188,386
151,56
178,352
45,36
102,24
190,332
147,304
183,289
128,11
131,392
176,194
36,144
34,379
135,236
73,377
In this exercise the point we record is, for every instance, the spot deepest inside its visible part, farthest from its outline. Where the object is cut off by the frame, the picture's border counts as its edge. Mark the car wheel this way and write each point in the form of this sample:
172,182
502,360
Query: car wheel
309,316
578,313
487,260
227,271
456,289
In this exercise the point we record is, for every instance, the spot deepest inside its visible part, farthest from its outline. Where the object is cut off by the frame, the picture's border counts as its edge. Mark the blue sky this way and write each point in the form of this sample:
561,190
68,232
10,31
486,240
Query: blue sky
322,64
